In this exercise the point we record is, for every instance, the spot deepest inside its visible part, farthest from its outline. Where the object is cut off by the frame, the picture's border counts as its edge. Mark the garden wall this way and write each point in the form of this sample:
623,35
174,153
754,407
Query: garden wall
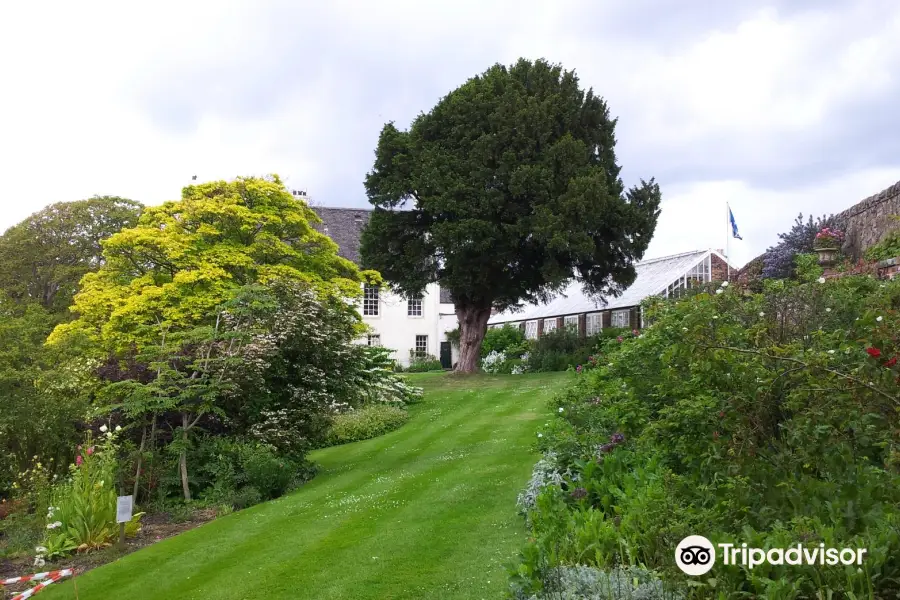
867,222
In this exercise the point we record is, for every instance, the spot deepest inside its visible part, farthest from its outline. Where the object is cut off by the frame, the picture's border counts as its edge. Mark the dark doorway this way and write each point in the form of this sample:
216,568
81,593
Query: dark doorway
446,360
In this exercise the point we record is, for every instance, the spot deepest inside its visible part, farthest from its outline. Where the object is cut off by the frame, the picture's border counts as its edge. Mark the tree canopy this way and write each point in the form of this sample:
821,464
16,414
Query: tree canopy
186,258
503,192
43,258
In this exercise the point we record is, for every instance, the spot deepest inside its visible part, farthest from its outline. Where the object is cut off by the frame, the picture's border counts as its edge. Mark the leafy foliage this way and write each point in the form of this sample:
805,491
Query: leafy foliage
43,258
40,410
778,261
763,418
364,423
559,350
508,186
508,339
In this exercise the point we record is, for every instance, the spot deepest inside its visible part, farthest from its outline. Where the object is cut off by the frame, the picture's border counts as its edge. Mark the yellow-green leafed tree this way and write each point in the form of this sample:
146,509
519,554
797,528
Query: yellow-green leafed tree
185,258
167,300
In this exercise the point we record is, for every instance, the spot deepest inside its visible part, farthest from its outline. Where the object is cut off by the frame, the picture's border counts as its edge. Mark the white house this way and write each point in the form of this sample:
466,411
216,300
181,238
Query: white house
405,325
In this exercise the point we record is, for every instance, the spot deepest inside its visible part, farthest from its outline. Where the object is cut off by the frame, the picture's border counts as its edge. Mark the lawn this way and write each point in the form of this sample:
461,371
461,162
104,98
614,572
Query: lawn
427,511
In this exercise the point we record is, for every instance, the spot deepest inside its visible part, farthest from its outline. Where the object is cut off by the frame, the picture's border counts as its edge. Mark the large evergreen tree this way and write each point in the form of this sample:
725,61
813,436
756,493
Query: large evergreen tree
502,193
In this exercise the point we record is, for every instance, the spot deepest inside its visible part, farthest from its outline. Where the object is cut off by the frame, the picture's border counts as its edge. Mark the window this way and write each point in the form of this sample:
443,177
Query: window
421,345
530,329
593,323
374,339
370,300
698,275
621,318
549,325
571,322
414,307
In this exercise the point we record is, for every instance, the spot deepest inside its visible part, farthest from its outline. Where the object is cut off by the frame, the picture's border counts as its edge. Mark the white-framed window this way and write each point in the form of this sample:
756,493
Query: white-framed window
593,323
421,345
370,300
374,339
621,318
571,322
531,330
549,325
414,307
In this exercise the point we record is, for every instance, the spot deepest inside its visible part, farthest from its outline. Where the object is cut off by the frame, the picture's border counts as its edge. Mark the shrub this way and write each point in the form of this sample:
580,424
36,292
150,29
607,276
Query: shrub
587,583
509,340
243,472
419,363
764,418
364,423
778,260
559,350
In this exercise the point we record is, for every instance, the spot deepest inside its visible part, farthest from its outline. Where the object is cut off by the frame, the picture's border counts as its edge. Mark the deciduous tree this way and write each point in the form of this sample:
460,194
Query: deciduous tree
503,192
43,258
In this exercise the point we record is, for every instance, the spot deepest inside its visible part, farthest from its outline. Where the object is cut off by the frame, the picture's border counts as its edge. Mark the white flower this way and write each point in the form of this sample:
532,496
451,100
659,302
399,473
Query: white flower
561,409
39,562
540,435
827,310
715,316
719,291
684,328
109,434
118,428
724,284
879,319
762,314
103,428
821,280
831,352
40,550
54,525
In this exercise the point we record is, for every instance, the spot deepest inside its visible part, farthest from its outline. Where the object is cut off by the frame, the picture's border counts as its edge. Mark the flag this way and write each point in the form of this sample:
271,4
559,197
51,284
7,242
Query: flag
734,229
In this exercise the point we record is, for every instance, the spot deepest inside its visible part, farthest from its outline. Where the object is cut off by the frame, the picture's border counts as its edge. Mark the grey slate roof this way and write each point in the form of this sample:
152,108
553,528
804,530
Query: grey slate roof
344,226
653,276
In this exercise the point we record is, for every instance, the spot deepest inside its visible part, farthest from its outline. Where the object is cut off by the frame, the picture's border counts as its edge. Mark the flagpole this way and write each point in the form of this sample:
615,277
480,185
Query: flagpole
727,240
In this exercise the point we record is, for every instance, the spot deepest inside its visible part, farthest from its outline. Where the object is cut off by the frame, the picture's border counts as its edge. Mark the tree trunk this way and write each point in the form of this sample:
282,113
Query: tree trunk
472,327
140,456
182,459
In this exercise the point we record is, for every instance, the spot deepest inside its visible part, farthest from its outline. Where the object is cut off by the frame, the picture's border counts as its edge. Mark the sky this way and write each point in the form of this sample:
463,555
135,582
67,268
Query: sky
775,107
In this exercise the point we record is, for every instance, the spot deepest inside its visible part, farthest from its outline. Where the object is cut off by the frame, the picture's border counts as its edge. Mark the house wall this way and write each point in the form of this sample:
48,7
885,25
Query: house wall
719,269
398,330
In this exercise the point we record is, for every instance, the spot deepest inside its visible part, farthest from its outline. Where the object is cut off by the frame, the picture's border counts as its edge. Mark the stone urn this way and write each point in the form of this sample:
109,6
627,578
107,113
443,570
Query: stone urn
828,256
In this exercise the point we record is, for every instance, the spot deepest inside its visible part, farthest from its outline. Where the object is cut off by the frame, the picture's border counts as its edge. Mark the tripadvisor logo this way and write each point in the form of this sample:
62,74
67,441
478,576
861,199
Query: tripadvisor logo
696,555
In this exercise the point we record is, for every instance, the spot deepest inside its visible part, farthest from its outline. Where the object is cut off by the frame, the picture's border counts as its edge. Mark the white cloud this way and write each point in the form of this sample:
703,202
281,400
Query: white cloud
693,215
273,87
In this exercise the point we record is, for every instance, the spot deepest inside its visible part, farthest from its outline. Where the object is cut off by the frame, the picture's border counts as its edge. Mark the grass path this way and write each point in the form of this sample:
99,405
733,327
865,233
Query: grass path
427,511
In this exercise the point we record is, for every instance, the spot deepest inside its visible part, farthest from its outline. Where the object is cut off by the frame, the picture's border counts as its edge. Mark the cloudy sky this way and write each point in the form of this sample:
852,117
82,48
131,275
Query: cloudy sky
777,107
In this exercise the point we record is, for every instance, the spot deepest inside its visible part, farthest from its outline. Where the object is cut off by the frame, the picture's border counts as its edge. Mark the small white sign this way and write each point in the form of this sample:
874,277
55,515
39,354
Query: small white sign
124,506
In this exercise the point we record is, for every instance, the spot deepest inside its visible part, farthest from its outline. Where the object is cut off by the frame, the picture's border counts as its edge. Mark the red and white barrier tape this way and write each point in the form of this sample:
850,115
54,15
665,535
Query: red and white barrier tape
48,578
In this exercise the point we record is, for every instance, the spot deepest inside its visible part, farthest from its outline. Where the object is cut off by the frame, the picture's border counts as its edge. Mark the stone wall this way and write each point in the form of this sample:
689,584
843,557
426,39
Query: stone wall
867,222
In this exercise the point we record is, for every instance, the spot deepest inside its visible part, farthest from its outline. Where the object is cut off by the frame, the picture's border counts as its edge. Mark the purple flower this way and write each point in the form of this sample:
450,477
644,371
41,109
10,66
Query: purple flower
578,369
617,438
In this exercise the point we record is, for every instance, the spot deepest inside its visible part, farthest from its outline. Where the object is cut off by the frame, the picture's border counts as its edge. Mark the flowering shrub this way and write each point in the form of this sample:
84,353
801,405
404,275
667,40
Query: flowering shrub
493,362
829,237
765,418
778,260
587,583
